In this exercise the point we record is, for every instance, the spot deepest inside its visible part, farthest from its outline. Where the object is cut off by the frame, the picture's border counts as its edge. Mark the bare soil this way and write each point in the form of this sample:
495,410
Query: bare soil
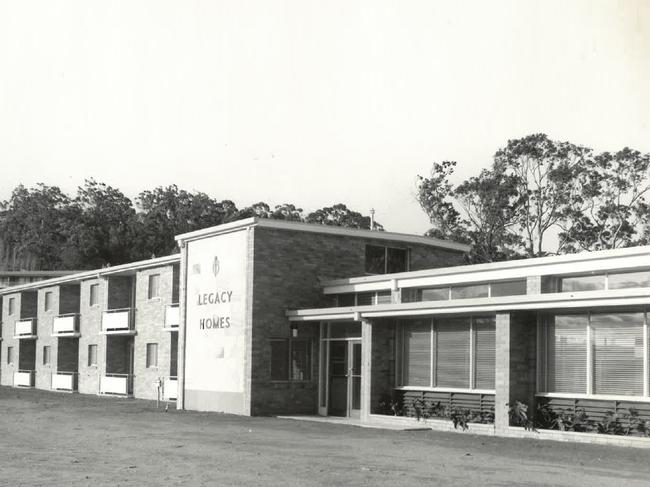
77,440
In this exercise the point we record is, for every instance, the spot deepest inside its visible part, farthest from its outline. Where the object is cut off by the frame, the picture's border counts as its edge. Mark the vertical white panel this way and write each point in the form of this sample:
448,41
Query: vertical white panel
216,312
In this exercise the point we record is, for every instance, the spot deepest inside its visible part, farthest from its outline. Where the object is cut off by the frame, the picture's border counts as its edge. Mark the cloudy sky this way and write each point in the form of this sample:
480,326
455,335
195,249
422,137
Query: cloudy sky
309,102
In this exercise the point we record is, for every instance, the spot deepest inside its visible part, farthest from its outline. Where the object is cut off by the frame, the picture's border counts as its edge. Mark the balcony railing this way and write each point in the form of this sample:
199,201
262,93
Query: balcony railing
64,381
24,378
67,324
170,388
116,384
172,316
117,320
25,328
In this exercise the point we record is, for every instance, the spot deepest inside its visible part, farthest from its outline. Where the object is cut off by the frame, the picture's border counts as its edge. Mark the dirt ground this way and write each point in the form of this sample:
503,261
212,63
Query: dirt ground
73,440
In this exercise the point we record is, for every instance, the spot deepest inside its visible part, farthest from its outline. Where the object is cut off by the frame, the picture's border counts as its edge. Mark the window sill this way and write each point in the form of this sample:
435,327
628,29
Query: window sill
445,389
594,397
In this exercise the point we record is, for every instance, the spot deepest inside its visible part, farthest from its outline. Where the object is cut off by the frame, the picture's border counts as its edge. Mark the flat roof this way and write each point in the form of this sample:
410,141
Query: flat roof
83,275
35,273
326,229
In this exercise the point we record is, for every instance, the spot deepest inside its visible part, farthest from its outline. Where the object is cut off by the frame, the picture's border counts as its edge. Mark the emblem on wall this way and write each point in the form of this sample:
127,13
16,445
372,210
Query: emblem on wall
215,265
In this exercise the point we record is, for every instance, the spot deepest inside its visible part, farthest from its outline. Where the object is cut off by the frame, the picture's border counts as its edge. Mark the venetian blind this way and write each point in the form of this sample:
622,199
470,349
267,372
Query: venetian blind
618,353
417,353
452,357
484,353
567,354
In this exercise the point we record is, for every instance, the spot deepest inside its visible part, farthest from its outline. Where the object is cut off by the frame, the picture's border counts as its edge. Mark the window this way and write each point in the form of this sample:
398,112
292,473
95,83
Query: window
508,288
452,353
624,280
290,359
470,291
364,299
152,355
582,283
10,355
439,353
154,286
417,354
11,306
383,260
48,301
597,353
94,294
434,294
92,355
46,355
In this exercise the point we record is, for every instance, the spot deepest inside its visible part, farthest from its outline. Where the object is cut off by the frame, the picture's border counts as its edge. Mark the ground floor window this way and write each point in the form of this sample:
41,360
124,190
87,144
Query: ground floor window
290,359
46,355
10,355
595,353
152,355
456,353
92,355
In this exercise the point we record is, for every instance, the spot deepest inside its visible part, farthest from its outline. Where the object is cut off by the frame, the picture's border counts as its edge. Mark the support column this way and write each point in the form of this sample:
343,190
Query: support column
180,350
366,368
502,373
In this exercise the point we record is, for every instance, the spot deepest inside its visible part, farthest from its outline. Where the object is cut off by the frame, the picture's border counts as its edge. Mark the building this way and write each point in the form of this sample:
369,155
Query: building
270,317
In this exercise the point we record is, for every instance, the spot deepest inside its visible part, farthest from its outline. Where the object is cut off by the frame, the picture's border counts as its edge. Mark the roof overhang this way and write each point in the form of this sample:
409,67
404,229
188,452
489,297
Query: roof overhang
124,269
550,302
323,229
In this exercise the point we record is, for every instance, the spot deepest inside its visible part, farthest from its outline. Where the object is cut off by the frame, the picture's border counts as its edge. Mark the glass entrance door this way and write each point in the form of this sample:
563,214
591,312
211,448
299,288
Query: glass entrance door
344,378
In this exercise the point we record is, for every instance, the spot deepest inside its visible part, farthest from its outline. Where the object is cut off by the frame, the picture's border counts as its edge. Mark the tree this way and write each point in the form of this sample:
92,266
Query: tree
104,230
34,224
339,215
169,211
610,210
480,211
544,174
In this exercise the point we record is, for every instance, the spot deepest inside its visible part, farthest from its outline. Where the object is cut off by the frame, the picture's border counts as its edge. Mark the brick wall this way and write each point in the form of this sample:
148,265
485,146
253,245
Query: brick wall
90,327
8,328
383,361
289,267
44,323
523,357
515,372
149,324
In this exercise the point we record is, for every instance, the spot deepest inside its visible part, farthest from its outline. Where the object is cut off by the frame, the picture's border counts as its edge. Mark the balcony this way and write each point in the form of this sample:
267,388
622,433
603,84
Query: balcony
118,321
66,325
24,378
25,328
64,381
170,388
116,384
172,317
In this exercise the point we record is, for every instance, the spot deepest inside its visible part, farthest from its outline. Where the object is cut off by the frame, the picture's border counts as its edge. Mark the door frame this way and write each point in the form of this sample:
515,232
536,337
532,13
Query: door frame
324,373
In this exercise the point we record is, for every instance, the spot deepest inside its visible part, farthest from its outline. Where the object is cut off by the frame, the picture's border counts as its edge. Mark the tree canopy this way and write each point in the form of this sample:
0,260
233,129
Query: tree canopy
539,197
44,228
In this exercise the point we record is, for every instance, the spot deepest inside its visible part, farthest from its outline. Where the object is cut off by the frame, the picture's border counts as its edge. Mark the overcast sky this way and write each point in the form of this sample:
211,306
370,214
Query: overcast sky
309,102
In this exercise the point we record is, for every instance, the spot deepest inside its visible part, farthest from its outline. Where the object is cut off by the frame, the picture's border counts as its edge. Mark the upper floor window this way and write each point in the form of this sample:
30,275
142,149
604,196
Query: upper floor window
154,286
599,282
385,260
11,306
48,301
94,294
